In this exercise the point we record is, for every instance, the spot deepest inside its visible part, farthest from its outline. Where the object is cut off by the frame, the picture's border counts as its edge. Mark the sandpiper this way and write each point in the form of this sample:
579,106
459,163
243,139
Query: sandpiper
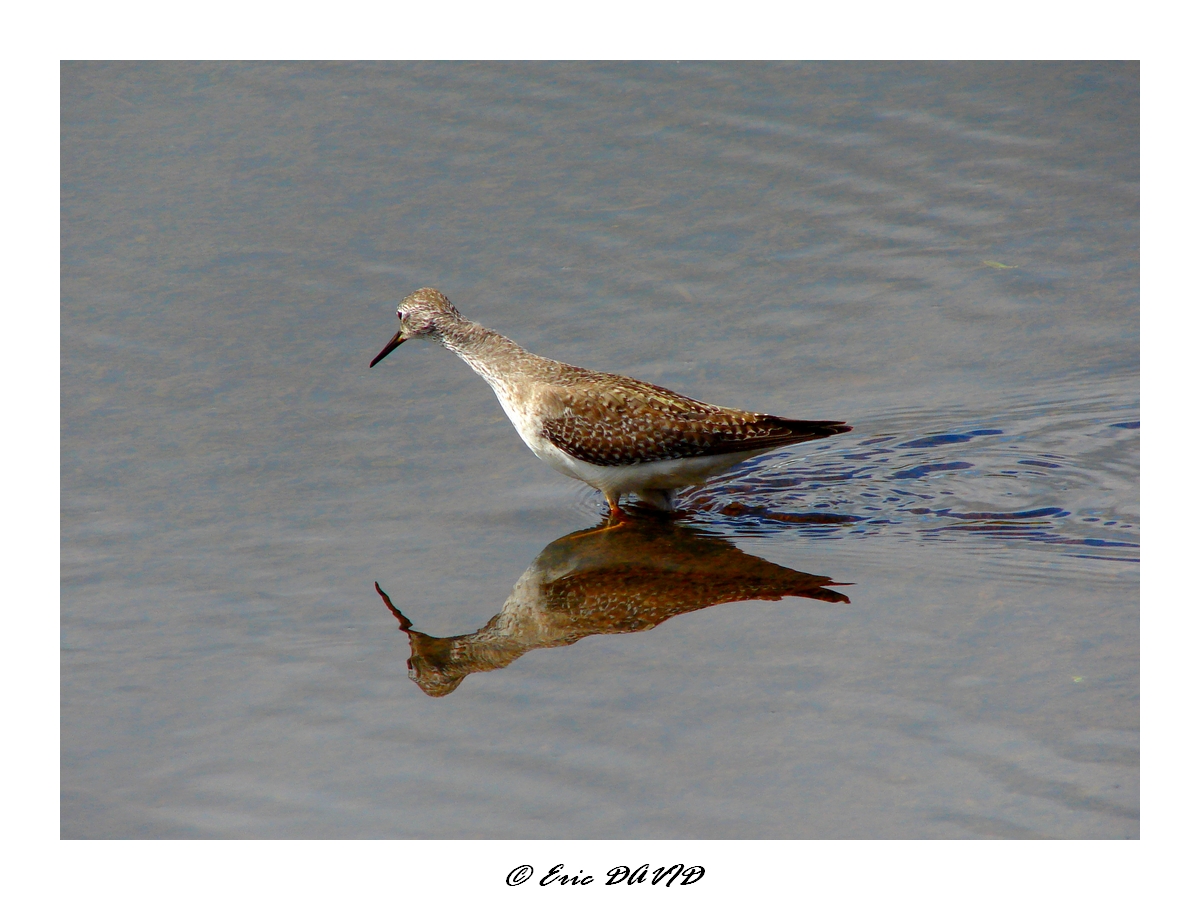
618,434
607,580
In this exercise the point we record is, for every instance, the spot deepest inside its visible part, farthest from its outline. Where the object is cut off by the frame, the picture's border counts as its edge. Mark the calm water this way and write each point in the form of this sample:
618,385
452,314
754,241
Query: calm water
945,256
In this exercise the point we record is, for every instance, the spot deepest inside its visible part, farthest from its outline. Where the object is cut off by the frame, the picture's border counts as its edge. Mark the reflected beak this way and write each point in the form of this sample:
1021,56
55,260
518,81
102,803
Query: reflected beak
395,342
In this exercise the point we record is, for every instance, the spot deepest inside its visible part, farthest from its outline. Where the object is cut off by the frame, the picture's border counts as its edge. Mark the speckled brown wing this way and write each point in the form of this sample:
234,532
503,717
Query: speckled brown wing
620,421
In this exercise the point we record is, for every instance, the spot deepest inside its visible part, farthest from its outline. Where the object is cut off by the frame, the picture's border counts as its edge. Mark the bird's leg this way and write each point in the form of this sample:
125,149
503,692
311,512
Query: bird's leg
660,498
615,519
615,514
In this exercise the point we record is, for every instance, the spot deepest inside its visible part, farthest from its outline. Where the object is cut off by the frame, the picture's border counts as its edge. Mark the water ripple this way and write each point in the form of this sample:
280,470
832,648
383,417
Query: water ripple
1063,478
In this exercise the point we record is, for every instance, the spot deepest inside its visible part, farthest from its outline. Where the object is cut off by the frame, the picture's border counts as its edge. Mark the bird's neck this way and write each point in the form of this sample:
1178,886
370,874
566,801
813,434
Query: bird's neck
488,352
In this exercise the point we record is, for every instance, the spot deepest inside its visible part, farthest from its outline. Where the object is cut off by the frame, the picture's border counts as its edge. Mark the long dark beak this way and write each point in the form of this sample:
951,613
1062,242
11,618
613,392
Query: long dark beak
395,342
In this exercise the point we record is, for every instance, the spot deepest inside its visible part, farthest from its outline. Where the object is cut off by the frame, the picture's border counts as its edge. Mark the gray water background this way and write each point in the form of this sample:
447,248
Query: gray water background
943,255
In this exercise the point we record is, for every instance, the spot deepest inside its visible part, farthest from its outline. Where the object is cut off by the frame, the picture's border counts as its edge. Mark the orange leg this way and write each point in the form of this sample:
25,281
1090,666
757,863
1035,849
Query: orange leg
615,514
615,519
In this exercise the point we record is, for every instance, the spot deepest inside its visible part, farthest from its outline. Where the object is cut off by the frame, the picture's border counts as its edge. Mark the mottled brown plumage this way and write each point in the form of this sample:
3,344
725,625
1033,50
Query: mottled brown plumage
618,421
605,581
616,433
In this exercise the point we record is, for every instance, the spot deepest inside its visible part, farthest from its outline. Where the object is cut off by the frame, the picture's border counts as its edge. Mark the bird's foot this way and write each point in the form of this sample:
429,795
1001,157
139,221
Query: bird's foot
615,519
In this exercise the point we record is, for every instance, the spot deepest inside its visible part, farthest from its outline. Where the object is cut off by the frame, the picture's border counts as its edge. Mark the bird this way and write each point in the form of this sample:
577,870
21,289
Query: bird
605,581
615,433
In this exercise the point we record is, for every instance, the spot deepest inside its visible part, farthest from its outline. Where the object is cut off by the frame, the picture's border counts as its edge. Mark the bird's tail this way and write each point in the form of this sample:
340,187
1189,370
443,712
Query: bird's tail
802,430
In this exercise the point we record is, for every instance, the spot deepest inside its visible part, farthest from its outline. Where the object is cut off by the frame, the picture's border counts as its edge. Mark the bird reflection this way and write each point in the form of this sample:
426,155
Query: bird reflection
605,581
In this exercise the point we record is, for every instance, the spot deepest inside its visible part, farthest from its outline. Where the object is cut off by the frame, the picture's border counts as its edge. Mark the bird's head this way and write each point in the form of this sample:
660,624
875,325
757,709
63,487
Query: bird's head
421,314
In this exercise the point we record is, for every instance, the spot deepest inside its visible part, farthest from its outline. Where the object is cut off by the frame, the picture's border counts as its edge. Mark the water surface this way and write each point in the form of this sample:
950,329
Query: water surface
943,255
